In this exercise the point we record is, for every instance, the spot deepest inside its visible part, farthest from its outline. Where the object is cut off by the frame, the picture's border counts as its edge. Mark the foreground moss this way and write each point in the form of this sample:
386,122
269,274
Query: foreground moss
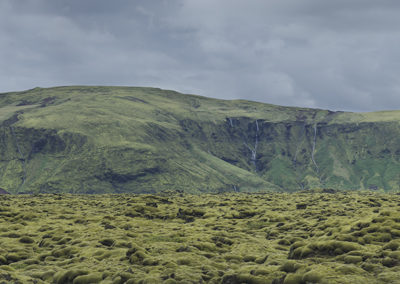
176,238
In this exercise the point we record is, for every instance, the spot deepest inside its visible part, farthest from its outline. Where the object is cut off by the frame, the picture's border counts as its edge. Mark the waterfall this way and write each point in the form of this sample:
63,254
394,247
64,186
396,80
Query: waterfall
230,121
313,147
253,150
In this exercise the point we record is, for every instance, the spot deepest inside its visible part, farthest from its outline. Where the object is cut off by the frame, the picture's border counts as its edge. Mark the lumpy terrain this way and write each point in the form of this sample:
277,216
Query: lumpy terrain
320,237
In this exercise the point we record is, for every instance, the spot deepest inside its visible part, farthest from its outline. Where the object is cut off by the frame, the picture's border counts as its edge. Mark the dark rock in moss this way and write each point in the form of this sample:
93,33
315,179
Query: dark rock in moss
3,191
261,260
284,242
44,243
3,260
301,206
131,250
183,249
329,190
249,258
26,240
108,226
11,235
390,262
222,240
149,261
107,242
230,279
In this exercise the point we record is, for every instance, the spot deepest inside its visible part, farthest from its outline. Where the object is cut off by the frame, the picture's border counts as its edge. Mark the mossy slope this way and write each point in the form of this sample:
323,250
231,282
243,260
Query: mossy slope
120,139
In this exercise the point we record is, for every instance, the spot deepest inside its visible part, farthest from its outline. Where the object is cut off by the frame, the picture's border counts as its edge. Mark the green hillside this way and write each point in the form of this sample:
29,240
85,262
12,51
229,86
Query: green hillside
128,139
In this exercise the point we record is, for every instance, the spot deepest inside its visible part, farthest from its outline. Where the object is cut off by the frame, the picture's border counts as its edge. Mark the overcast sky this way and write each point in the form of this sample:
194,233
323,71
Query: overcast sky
339,55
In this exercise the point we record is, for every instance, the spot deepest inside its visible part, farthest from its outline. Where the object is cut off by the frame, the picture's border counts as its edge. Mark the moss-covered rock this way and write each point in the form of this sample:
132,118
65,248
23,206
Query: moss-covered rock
290,266
90,278
26,240
67,276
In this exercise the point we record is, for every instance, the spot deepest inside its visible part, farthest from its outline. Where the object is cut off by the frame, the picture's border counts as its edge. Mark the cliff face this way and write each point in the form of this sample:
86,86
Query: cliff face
298,155
110,139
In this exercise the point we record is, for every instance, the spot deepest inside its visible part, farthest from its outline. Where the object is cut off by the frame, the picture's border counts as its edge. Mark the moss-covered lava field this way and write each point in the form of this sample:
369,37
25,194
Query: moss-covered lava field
319,237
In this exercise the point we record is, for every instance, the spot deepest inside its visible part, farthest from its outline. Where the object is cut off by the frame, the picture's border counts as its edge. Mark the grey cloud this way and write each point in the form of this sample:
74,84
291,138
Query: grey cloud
339,55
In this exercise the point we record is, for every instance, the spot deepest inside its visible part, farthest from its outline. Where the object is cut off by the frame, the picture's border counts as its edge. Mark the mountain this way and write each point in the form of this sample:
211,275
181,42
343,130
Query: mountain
82,139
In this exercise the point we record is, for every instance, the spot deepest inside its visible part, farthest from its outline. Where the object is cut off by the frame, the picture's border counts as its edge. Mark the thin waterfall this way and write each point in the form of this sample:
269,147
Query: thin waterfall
253,150
313,147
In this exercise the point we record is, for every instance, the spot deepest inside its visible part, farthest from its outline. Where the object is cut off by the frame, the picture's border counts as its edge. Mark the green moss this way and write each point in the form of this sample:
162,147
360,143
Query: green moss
90,278
150,280
395,255
137,257
205,246
261,260
150,261
64,252
392,245
350,269
352,259
3,260
209,249
68,276
18,256
184,261
290,266
312,277
249,258
241,278
293,279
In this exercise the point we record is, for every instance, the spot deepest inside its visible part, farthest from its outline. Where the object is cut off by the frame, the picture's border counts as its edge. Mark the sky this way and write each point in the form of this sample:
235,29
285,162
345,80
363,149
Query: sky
337,55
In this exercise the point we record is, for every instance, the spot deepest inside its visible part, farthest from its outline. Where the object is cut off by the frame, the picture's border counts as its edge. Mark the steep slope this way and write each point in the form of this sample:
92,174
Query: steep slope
122,139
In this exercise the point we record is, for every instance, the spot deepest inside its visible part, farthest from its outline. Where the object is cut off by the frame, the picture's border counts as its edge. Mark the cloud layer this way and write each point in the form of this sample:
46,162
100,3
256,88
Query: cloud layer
340,55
